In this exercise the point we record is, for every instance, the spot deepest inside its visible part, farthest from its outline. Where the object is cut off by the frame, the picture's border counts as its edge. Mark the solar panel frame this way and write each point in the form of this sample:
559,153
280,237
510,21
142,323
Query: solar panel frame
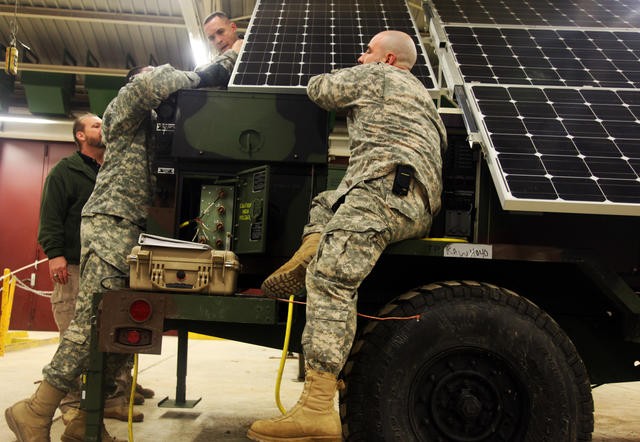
585,55
289,41
542,162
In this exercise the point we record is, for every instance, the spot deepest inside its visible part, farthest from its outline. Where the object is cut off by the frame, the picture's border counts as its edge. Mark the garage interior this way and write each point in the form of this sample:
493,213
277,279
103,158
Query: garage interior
73,56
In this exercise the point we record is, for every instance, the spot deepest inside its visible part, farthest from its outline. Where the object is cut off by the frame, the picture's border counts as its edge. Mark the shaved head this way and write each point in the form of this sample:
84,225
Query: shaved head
392,47
402,45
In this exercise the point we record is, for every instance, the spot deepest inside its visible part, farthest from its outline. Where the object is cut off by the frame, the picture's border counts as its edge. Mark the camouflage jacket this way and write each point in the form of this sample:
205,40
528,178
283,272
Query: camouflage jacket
391,120
124,185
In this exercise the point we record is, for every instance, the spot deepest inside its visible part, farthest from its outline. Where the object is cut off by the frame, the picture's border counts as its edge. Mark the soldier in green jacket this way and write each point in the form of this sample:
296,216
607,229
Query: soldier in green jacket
390,192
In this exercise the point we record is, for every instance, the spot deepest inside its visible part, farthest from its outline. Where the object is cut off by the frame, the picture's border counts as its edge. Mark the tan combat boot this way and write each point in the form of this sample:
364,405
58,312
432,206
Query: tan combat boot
117,407
30,419
146,393
313,418
289,279
77,427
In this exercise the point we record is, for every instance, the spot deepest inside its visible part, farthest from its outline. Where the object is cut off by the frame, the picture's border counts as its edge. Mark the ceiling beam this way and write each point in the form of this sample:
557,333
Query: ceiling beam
69,69
92,16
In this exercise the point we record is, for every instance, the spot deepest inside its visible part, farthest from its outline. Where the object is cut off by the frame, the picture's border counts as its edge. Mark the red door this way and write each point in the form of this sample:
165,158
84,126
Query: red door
24,166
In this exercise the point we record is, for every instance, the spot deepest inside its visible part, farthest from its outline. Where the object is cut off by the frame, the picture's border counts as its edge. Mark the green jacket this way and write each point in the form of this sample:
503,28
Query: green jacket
66,190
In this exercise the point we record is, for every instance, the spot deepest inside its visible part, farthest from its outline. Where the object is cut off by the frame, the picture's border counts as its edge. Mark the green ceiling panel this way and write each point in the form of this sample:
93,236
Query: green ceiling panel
48,93
101,89
6,89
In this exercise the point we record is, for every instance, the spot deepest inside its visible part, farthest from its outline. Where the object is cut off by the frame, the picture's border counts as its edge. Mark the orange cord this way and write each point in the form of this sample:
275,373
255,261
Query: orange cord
376,318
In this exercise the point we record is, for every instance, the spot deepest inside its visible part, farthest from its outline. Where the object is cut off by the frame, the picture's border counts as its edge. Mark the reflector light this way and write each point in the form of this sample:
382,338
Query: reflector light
133,337
140,310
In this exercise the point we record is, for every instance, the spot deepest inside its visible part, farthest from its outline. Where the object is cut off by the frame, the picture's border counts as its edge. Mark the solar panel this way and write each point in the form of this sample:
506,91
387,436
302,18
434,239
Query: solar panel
552,13
289,41
563,149
534,56
555,88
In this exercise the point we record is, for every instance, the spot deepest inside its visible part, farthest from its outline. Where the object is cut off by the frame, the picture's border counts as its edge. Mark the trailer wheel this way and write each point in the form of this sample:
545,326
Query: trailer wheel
481,364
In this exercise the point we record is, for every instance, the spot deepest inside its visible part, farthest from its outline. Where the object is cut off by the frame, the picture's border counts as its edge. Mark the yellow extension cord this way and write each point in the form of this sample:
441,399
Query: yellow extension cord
132,396
285,351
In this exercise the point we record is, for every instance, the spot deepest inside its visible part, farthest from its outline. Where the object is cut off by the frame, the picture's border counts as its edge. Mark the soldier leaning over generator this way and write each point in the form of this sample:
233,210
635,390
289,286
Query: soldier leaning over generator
112,219
66,190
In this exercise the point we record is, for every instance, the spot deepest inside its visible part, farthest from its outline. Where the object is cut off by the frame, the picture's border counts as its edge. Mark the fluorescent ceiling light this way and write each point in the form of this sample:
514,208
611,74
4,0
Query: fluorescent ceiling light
32,120
200,51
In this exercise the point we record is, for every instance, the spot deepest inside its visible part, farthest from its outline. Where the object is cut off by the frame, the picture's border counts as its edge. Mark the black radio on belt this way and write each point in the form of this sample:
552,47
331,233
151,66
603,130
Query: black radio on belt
401,183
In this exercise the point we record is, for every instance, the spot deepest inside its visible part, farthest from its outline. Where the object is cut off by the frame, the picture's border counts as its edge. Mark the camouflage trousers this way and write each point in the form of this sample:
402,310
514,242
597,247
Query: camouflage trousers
353,238
63,298
106,241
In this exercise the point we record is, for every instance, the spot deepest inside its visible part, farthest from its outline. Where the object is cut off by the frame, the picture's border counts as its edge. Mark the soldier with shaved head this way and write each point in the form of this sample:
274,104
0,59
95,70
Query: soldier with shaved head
390,191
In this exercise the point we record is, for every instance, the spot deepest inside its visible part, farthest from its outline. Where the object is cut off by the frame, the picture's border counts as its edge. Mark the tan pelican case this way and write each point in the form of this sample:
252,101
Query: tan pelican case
166,264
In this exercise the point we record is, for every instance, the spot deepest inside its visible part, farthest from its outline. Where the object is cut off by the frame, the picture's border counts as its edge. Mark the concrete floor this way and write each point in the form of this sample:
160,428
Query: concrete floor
236,384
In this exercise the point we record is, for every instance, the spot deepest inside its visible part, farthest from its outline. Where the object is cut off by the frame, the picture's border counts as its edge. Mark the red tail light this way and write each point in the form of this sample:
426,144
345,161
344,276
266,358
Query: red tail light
133,336
140,310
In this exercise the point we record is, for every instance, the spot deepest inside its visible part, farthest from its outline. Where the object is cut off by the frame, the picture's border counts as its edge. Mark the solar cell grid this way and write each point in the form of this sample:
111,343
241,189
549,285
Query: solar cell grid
289,41
579,13
563,127
562,144
546,57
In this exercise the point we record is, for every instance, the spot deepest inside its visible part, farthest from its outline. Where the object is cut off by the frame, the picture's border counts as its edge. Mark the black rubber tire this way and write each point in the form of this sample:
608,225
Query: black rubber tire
481,364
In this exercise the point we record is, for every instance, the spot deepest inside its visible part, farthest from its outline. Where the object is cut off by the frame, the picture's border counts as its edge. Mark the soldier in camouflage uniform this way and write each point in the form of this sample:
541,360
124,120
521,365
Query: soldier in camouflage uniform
392,121
112,219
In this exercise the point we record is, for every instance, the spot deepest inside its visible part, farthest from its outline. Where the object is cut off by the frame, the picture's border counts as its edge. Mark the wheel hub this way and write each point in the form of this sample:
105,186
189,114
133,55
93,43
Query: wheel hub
468,395
469,406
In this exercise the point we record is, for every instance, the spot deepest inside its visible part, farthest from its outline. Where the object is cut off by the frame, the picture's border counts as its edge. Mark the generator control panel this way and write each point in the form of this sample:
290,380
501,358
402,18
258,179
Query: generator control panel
215,223
233,212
